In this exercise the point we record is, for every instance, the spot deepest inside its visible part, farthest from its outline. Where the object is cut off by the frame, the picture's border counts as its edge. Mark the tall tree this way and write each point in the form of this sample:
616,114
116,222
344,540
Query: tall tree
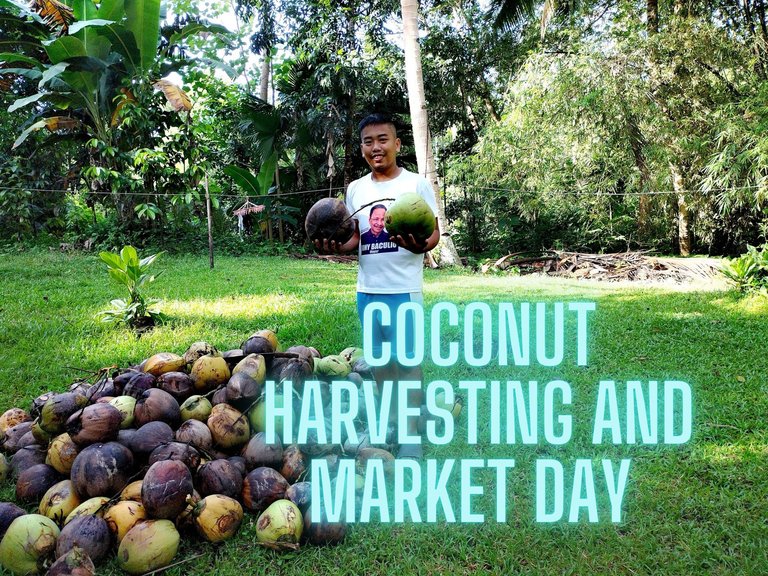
419,119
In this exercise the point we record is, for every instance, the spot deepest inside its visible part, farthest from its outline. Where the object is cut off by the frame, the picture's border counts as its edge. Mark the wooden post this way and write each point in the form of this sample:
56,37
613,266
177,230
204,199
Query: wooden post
210,222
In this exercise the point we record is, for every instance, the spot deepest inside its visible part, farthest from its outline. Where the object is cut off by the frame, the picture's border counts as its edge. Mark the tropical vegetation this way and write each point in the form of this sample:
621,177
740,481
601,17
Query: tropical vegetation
602,125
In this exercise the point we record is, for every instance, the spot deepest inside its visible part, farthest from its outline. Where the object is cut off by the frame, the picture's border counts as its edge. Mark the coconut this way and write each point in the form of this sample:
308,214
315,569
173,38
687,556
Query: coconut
196,408
35,481
261,487
41,436
195,433
28,544
257,416
365,454
296,370
39,402
239,463
329,218
102,469
355,378
334,366
208,372
150,436
139,383
176,451
257,345
18,436
148,546
351,354
229,427
157,405
76,562
132,491
123,516
95,506
59,501
242,389
269,335
300,494
163,362
102,389
165,488
12,417
219,477
122,379
259,453
254,366
217,517
177,384
220,396
323,532
94,423
410,214
26,458
294,464
198,349
8,513
57,410
280,525
89,533
126,405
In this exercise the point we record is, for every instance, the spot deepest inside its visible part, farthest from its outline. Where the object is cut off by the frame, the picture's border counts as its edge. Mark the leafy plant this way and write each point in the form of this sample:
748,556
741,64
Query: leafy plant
749,271
126,268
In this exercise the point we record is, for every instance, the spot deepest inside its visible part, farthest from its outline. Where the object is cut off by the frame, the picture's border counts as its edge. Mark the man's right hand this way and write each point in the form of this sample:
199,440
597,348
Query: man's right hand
326,246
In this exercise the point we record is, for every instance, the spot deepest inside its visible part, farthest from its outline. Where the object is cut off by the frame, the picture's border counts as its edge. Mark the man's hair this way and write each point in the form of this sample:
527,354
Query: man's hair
376,207
374,119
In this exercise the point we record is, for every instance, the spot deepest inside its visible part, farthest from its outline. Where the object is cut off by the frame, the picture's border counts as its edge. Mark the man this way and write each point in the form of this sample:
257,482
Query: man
393,273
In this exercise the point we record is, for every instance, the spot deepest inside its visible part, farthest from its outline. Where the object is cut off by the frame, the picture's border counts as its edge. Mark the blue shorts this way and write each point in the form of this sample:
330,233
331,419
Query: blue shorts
382,333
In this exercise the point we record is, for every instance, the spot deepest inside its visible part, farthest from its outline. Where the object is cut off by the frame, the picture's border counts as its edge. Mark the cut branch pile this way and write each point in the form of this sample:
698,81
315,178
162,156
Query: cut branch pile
637,266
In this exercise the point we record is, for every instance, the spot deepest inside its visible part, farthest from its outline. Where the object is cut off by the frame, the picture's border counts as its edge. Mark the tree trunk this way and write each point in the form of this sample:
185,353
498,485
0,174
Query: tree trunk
209,215
280,229
418,107
683,215
652,16
264,80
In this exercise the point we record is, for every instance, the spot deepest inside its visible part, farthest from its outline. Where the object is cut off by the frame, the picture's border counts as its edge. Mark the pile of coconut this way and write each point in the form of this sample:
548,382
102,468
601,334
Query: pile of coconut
172,447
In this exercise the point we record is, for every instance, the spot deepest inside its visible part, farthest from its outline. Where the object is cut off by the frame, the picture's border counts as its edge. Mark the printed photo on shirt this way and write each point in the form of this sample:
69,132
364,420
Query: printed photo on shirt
376,240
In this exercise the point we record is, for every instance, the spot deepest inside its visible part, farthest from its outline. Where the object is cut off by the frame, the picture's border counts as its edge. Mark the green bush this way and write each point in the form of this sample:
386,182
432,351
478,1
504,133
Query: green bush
749,272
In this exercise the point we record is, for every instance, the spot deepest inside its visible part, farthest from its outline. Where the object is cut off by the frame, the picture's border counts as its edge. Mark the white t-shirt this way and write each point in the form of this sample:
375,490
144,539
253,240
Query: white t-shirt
385,268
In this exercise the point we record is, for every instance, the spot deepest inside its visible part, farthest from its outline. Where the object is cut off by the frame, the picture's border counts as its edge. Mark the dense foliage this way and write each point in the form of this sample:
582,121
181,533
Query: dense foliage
599,126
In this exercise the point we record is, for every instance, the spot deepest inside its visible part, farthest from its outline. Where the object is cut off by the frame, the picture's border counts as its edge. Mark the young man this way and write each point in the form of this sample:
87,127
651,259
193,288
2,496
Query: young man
392,272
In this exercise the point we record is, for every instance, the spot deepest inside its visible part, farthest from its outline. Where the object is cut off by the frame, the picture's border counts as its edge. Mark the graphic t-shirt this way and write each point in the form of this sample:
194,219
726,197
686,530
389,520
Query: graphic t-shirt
385,268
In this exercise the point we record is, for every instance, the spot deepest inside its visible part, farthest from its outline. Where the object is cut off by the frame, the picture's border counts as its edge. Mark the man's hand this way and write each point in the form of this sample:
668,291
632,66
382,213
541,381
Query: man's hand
417,245
411,243
326,246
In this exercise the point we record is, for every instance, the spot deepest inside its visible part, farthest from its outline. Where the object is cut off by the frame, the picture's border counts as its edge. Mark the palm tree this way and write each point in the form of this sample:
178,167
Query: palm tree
419,120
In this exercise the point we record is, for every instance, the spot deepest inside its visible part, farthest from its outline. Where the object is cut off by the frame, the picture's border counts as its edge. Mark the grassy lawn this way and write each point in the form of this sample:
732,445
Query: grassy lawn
700,508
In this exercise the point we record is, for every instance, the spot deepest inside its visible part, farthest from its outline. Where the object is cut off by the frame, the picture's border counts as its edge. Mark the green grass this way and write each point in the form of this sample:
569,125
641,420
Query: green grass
701,508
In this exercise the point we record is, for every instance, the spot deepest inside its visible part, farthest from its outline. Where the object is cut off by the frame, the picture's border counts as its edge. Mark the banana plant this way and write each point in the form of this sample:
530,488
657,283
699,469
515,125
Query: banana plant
96,51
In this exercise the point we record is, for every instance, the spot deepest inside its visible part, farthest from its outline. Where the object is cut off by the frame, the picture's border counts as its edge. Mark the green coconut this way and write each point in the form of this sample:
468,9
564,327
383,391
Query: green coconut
28,544
280,525
333,365
329,218
148,546
410,214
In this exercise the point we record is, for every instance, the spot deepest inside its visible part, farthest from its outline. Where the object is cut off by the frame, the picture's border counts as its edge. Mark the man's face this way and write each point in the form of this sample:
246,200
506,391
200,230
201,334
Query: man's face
380,146
377,220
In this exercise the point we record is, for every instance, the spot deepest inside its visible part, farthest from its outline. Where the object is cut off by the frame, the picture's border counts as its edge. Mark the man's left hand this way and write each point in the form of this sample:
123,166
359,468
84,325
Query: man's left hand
409,242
